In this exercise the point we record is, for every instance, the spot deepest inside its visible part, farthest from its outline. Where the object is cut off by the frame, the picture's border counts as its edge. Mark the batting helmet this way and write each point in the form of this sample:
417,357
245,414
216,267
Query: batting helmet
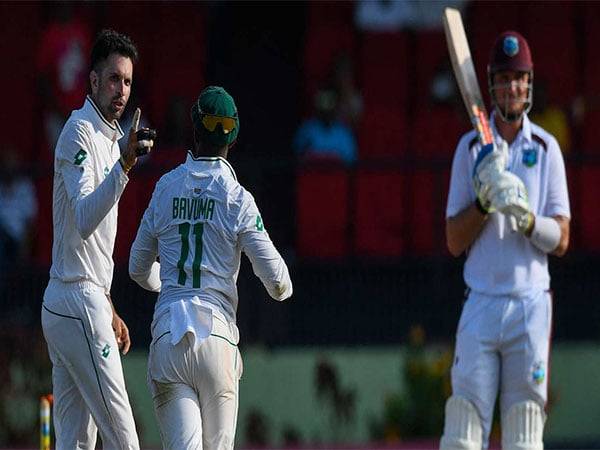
215,117
510,52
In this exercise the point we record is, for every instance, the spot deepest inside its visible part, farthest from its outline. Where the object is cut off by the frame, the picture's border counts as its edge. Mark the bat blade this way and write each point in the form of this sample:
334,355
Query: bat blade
464,71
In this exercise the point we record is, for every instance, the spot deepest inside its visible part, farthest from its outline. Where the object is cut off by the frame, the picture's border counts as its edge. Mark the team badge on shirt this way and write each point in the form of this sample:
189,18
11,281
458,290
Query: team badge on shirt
106,351
80,157
539,373
530,157
259,224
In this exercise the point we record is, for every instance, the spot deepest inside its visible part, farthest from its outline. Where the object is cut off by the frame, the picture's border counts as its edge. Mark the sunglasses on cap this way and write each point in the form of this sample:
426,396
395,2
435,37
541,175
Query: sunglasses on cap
210,122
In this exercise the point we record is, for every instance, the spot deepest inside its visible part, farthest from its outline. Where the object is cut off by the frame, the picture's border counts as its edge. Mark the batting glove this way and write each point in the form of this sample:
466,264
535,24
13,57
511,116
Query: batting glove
509,196
489,165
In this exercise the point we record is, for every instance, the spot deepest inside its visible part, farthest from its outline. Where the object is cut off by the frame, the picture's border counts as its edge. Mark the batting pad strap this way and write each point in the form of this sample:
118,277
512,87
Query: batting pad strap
545,234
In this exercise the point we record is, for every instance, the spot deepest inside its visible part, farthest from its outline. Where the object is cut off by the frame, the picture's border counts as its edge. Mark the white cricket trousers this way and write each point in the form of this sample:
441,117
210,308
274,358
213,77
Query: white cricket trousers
502,343
87,376
195,392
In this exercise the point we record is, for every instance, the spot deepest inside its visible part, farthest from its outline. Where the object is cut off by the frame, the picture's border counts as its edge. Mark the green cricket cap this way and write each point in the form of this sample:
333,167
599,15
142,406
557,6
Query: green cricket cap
215,116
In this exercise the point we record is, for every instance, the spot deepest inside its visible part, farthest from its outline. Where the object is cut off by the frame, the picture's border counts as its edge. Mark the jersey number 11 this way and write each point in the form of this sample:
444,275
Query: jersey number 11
184,231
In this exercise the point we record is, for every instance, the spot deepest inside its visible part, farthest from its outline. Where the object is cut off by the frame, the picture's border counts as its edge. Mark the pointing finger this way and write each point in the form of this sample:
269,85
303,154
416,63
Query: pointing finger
136,119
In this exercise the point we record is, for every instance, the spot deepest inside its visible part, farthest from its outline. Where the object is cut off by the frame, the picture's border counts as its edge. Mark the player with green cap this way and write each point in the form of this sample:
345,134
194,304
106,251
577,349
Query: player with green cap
198,222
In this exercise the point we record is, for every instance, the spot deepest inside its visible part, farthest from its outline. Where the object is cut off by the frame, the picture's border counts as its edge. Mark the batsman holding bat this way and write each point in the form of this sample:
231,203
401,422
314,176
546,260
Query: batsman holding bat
199,221
503,337
82,329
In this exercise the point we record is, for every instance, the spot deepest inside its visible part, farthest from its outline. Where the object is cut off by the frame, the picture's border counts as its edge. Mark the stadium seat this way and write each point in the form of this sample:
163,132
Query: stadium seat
432,53
558,63
426,212
323,43
380,213
327,13
573,174
591,62
182,57
322,208
436,131
21,128
131,209
590,133
43,234
382,132
589,190
384,68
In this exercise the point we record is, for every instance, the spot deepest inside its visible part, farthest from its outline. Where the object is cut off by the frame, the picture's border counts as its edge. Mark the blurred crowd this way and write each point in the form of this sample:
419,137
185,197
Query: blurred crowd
367,89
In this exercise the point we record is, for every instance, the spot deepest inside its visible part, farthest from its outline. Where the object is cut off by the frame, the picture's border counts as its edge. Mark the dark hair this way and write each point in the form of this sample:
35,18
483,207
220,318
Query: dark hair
109,42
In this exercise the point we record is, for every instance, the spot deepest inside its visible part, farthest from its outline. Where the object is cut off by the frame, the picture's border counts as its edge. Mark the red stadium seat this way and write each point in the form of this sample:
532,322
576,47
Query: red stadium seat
380,213
21,127
575,204
591,62
43,237
589,222
384,68
322,45
426,210
436,131
131,209
182,56
556,63
590,133
329,13
322,208
432,53
382,132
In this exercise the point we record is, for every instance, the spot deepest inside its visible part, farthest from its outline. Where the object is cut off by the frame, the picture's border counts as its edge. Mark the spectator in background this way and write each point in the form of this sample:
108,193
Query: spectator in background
18,210
62,66
442,90
323,136
394,15
383,15
550,116
350,102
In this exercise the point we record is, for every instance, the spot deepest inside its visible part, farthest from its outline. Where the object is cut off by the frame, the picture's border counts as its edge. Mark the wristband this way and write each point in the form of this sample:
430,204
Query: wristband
546,234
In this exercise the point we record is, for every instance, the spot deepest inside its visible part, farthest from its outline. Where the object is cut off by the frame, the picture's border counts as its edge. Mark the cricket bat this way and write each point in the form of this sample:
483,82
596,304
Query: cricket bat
464,71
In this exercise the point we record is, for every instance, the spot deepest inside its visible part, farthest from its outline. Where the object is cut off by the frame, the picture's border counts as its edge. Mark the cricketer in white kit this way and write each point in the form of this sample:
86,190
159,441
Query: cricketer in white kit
199,221
82,330
503,336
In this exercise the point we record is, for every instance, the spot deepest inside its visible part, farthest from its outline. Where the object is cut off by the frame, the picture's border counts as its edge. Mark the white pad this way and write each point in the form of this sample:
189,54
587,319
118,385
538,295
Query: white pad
462,429
523,427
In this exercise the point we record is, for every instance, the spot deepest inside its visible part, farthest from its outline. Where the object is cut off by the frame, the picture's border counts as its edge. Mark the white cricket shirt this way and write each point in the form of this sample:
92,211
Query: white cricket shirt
198,222
88,182
502,262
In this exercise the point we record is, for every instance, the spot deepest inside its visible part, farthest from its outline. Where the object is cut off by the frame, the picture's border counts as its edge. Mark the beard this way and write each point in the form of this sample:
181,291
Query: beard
105,102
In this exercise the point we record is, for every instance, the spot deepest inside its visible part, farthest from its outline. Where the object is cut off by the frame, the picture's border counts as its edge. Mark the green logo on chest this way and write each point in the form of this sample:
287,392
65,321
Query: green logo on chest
80,157
106,351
